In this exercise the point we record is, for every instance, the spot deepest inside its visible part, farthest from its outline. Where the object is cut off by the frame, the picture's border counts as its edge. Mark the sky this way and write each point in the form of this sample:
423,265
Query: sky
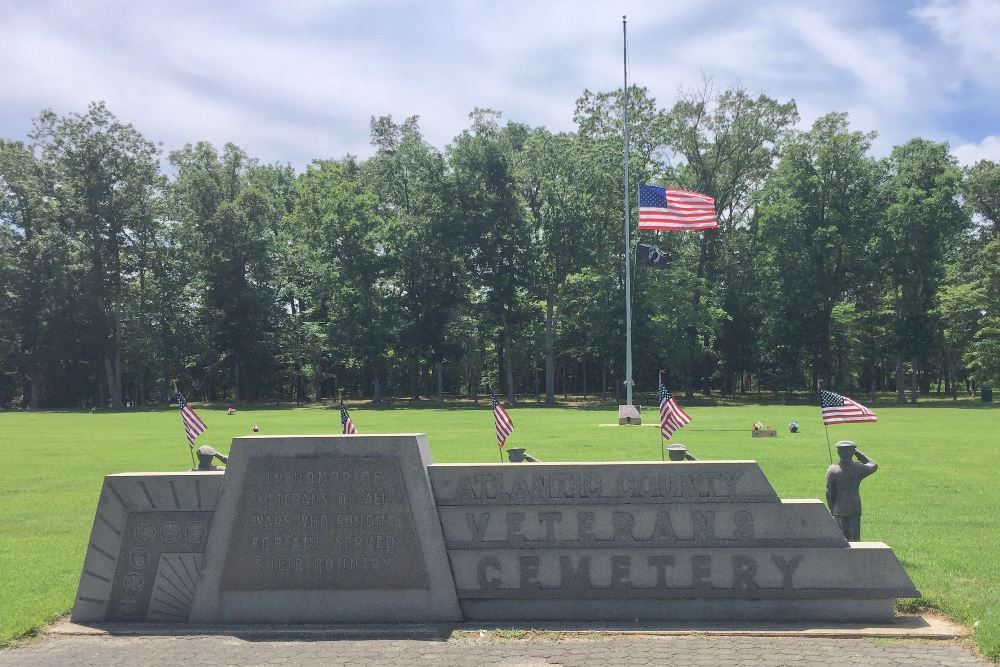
296,80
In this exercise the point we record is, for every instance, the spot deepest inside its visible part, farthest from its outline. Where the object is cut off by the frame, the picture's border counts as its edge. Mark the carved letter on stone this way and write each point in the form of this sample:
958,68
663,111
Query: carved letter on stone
549,520
704,526
478,528
514,521
621,568
529,572
744,571
663,530
485,580
585,526
661,563
701,571
787,568
571,578
623,522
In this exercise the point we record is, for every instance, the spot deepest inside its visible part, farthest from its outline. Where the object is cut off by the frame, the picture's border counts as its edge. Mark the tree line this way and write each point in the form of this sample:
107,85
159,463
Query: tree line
127,274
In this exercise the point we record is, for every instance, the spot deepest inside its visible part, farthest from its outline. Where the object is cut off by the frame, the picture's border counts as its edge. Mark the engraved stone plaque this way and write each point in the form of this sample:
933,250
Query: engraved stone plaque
326,529
652,541
148,536
324,522
144,555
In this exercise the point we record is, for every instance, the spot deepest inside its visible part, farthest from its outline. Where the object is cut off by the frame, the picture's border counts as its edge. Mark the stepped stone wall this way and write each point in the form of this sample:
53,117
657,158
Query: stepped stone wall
334,529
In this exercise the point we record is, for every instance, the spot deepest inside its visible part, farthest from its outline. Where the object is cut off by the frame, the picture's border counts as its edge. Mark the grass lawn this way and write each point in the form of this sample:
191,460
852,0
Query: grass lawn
935,499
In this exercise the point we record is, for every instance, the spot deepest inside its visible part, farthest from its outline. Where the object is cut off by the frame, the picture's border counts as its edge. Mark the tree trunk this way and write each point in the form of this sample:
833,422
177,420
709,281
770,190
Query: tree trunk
236,381
33,393
508,370
583,363
439,371
415,380
913,382
550,362
900,394
113,382
376,388
604,378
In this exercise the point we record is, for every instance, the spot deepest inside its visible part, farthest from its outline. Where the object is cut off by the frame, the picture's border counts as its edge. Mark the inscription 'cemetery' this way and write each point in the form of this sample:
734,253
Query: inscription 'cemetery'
324,523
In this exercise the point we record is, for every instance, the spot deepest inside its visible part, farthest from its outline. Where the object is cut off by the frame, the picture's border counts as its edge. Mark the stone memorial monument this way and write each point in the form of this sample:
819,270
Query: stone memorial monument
317,529
145,551
677,541
357,529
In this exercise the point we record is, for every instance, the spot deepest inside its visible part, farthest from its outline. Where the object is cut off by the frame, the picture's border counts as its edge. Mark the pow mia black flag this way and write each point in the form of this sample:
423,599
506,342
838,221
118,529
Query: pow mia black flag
651,256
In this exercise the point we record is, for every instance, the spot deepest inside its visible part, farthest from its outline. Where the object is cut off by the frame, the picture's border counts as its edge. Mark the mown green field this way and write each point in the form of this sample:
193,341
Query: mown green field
935,499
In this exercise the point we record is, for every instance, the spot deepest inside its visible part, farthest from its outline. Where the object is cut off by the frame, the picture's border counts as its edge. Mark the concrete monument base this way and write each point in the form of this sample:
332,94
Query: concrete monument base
629,414
364,529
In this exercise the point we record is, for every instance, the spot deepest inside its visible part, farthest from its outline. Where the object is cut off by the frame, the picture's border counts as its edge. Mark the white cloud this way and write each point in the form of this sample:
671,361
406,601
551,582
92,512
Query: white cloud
987,149
971,28
296,82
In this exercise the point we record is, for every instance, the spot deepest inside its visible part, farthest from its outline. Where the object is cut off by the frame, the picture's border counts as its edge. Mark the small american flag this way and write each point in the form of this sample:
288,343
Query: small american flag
662,210
671,415
504,425
193,425
839,409
345,421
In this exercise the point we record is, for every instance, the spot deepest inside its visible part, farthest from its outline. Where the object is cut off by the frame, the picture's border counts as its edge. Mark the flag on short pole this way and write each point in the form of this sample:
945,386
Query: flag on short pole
671,415
839,409
504,425
193,425
345,421
663,210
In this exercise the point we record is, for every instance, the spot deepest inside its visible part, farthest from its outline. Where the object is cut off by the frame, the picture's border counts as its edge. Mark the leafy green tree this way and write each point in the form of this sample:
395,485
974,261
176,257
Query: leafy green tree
982,291
336,229
728,143
500,258
922,218
816,217
106,181
426,264
550,177
231,210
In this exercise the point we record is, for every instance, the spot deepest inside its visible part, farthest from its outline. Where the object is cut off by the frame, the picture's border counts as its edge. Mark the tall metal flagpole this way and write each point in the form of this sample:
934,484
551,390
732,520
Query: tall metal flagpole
628,245
829,451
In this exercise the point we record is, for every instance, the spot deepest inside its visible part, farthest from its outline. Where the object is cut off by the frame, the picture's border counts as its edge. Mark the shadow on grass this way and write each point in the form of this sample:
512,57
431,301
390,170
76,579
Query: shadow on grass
528,402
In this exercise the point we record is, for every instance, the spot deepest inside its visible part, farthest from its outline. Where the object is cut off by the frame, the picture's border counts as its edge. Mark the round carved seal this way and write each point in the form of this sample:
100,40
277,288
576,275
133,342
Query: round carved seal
133,582
170,532
144,531
128,608
138,557
195,531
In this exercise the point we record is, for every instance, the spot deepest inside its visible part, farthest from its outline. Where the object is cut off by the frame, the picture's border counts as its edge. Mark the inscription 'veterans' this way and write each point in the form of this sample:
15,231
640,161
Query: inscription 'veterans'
560,527
324,523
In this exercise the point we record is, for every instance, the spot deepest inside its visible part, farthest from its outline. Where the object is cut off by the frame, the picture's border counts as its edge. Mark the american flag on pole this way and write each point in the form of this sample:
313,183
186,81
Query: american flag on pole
671,415
662,210
839,409
504,425
345,421
193,425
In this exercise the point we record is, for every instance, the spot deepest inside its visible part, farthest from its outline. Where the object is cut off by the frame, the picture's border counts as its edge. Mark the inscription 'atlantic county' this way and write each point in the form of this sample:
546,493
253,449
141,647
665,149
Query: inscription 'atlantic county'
500,487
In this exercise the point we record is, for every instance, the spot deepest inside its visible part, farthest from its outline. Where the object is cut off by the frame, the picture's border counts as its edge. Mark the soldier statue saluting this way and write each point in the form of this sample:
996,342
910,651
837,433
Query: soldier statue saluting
843,481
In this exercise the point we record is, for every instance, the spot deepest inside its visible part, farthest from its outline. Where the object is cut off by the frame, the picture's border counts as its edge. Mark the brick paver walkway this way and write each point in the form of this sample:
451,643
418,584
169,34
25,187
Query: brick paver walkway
606,651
